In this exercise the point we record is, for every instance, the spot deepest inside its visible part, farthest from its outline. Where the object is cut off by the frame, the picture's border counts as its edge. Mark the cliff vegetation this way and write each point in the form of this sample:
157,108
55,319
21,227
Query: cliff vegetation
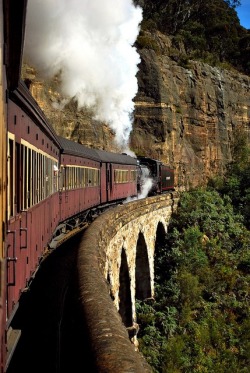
208,31
199,320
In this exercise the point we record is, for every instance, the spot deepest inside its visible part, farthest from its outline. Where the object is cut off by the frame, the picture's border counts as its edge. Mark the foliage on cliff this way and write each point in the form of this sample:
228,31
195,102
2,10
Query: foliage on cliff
209,31
200,319
236,182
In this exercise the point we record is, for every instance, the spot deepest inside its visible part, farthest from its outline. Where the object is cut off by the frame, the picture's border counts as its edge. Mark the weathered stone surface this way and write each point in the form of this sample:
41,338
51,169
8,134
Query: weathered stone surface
69,122
188,116
99,266
185,116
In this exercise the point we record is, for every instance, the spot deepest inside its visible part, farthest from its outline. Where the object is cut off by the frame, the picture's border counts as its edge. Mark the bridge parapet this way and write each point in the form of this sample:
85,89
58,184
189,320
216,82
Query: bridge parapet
107,260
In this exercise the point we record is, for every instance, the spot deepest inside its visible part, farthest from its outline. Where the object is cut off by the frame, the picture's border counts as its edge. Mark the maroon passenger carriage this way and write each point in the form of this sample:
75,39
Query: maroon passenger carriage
79,180
55,187
109,177
90,181
3,184
120,172
92,177
33,198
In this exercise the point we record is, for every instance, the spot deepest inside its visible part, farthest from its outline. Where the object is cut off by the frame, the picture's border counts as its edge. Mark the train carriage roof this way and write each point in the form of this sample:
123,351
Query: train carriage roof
116,158
74,148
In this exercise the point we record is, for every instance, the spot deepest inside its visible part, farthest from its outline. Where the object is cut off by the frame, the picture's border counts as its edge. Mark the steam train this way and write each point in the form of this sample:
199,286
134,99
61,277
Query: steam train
51,187
57,187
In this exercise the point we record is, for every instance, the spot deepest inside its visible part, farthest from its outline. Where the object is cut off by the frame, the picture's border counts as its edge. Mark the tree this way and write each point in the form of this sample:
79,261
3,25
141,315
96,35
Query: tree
202,275
210,31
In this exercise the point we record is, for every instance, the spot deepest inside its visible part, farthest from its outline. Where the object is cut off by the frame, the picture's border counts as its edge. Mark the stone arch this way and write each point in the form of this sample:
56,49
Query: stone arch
129,232
160,237
142,270
125,301
159,244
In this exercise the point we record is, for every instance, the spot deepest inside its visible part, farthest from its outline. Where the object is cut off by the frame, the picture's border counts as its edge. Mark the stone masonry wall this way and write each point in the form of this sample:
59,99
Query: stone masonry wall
112,350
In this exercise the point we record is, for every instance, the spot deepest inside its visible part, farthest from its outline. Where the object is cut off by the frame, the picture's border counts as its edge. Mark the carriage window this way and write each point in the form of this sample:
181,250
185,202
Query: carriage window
96,177
75,177
121,176
50,174
11,163
18,172
43,178
133,175
33,176
24,177
72,177
80,177
71,182
86,177
37,178
90,181
34,171
116,176
92,178
47,178
55,176
62,184
66,178
83,177
29,179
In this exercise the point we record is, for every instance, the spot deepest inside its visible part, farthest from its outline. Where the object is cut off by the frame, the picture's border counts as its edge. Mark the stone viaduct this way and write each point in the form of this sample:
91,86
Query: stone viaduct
115,267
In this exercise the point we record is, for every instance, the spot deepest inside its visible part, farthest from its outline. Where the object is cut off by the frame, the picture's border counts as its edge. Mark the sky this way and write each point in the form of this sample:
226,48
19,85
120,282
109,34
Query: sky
90,44
244,13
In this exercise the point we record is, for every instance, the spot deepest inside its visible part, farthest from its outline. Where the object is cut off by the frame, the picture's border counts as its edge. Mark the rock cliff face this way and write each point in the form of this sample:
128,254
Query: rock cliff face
188,117
185,116
69,122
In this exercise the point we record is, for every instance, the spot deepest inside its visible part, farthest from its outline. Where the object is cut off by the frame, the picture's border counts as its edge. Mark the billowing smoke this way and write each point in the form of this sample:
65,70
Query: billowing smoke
89,44
146,185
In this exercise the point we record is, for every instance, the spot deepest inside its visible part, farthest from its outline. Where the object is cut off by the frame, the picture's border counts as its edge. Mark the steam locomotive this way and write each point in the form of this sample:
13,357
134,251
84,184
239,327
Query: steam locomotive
55,187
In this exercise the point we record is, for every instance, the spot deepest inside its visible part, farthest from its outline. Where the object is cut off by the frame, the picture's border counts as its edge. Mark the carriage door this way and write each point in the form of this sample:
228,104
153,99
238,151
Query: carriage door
103,182
108,180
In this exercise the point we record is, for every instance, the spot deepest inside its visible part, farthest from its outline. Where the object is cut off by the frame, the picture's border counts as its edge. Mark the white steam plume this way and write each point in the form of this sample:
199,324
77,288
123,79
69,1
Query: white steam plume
90,44
146,185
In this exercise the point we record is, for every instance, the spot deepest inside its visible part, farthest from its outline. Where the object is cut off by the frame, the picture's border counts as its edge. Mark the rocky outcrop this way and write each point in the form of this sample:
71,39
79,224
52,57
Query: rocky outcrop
67,120
187,116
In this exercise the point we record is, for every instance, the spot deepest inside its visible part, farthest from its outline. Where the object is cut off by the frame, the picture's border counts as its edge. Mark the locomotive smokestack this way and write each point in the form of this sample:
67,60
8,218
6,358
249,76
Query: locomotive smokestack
90,44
